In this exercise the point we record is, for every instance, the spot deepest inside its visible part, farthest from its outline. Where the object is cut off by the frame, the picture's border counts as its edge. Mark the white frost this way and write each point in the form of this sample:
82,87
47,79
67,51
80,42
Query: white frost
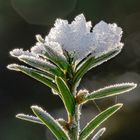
17,67
77,38
36,61
107,37
13,67
19,52
41,48
74,38
99,134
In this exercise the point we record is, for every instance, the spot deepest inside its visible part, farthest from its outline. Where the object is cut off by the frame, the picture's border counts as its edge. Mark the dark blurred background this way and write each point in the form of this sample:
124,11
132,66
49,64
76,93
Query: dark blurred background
21,20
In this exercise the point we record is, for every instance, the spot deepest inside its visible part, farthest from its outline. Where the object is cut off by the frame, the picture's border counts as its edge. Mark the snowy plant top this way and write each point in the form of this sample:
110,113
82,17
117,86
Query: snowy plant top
79,39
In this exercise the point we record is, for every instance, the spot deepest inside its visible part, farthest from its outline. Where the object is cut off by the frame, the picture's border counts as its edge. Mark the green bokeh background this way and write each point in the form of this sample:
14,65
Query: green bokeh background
21,20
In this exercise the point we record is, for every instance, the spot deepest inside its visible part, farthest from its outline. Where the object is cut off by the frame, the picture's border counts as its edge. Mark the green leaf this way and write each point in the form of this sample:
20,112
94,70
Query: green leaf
41,64
51,123
91,62
83,61
112,90
98,120
66,95
29,118
57,59
99,134
34,74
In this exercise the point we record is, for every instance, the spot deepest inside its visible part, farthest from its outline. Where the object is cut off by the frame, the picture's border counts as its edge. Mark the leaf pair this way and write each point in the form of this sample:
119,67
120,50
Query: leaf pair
41,64
98,120
51,54
46,119
55,58
36,74
103,93
91,62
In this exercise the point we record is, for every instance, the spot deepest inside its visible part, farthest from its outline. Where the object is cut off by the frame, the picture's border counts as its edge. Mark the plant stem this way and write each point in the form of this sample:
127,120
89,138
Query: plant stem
74,121
74,124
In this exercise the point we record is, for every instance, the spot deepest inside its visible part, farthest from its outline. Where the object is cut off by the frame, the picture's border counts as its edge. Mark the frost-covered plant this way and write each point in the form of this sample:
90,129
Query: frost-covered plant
60,61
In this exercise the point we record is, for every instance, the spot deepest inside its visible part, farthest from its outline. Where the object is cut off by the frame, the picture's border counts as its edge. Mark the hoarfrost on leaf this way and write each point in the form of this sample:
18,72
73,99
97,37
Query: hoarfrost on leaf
13,67
41,48
19,52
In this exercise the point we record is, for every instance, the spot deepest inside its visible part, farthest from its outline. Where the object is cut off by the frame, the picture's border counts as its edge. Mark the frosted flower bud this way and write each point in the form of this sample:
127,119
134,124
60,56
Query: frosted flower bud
78,39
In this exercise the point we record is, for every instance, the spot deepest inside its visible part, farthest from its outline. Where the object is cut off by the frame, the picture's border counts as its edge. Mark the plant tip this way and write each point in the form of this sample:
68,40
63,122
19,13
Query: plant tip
119,105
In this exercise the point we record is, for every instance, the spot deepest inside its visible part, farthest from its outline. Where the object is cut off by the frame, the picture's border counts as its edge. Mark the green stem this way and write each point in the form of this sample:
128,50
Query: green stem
74,124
